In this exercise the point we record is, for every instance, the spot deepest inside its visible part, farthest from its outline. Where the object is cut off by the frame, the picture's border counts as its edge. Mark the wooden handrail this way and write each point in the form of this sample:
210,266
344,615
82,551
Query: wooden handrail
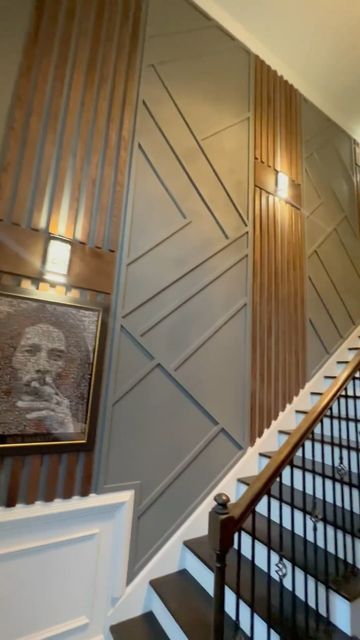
240,510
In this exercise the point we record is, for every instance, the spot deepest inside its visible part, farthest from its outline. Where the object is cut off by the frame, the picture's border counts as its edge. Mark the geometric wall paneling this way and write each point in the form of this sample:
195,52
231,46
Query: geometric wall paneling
181,381
278,296
357,174
333,244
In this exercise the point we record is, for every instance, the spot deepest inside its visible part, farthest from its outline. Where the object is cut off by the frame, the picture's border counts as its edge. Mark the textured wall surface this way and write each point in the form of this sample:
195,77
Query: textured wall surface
332,235
179,410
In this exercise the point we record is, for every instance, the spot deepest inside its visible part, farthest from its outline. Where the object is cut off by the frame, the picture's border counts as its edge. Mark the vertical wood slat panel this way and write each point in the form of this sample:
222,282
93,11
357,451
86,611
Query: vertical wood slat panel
278,342
34,479
78,74
14,481
19,115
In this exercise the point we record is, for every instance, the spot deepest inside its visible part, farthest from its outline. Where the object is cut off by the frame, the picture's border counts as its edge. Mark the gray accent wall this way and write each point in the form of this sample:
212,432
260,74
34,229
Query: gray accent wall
332,235
178,411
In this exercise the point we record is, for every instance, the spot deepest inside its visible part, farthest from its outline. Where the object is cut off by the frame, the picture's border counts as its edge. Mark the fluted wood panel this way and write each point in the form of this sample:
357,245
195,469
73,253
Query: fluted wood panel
66,143
62,170
277,122
278,308
278,321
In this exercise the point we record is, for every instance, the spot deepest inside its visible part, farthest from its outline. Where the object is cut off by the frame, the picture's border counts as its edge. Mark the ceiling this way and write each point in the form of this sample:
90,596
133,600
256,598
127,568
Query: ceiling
315,44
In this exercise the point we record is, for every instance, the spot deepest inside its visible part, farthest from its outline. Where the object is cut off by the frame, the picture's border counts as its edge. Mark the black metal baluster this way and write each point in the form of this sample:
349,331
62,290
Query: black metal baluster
356,416
253,567
335,511
348,474
281,572
304,495
315,518
238,574
340,469
293,562
327,592
269,565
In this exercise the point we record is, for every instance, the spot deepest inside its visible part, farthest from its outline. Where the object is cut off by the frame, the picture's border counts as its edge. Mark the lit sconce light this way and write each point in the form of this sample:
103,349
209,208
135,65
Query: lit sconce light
57,260
282,185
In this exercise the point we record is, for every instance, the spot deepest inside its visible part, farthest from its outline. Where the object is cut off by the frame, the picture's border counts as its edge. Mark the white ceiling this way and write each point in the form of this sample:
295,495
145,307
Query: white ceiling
315,44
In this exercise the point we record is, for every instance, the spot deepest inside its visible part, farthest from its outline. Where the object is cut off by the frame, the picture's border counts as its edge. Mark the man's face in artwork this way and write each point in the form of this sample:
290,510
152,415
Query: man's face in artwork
40,356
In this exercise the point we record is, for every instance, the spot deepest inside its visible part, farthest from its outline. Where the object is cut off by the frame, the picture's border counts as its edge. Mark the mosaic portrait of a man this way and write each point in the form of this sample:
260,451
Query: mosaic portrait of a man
46,361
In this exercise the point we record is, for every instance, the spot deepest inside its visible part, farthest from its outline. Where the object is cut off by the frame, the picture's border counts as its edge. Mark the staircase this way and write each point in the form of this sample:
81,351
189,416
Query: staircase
293,568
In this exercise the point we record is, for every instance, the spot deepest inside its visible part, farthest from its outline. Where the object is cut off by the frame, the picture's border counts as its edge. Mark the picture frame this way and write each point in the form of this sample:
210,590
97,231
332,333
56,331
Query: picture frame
51,361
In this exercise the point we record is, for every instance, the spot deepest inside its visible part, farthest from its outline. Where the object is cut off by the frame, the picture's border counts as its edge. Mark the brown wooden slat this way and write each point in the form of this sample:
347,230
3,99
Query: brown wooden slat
279,345
70,475
271,122
88,107
32,492
52,477
82,29
277,164
270,312
128,118
258,108
283,129
114,132
18,116
14,481
264,114
87,474
100,118
56,98
255,319
28,150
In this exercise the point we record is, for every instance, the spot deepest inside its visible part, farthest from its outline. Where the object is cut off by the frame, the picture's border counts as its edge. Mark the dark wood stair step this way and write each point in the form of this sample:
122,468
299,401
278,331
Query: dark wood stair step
318,468
191,606
345,444
282,622
144,627
335,516
349,588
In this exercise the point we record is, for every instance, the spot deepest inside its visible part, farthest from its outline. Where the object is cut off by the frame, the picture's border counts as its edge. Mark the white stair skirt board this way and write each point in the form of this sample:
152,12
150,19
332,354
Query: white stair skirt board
63,563
333,491
137,598
307,531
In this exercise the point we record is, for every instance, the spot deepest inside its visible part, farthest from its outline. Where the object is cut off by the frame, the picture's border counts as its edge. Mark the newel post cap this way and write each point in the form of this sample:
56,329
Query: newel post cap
222,500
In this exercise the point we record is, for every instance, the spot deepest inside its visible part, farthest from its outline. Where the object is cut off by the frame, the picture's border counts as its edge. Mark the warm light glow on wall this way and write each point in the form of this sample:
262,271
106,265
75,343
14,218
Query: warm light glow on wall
282,185
57,260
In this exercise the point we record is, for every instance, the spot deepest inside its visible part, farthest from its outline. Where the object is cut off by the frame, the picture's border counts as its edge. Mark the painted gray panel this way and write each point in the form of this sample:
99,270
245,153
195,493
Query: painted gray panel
328,293
322,320
333,244
214,370
14,23
179,412
179,500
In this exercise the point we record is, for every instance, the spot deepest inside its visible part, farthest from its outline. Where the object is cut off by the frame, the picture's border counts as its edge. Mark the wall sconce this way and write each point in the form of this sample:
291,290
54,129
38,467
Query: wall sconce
57,260
282,185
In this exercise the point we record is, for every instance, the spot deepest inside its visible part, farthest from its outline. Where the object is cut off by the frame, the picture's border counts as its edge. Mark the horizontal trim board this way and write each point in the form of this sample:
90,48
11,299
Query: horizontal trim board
22,253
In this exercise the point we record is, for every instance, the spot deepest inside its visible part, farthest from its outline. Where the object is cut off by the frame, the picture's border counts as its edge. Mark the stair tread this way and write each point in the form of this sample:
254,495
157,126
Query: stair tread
333,515
318,467
190,605
336,417
349,590
287,628
327,439
144,627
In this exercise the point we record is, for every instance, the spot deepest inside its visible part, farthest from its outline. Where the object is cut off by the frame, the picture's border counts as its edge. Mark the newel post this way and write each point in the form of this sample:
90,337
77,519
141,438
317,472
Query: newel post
221,535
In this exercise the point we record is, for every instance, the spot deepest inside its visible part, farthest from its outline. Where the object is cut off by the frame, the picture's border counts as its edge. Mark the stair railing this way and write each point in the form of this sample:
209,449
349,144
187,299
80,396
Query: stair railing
326,519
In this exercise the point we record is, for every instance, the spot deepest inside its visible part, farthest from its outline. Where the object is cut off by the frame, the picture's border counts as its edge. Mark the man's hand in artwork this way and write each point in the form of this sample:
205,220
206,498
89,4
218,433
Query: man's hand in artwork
47,404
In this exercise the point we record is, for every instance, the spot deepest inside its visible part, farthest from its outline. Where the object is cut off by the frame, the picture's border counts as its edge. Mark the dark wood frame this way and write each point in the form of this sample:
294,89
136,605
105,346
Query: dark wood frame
64,446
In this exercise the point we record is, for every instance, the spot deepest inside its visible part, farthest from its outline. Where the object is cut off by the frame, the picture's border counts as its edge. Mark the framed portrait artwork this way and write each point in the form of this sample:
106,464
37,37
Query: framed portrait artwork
51,355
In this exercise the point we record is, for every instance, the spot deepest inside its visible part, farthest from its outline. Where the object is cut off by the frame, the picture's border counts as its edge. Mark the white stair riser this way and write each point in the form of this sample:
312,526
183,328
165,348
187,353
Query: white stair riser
349,407
165,618
338,429
327,453
205,578
340,608
308,531
335,497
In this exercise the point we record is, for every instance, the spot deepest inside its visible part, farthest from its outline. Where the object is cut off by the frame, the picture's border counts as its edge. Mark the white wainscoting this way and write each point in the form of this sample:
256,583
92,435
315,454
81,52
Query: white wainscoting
63,566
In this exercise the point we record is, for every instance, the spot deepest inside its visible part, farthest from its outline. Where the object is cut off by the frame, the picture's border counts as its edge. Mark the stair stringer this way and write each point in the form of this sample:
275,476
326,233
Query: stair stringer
138,598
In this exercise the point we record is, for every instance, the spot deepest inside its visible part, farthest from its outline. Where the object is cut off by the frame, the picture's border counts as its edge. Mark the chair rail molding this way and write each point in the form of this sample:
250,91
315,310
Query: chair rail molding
66,564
